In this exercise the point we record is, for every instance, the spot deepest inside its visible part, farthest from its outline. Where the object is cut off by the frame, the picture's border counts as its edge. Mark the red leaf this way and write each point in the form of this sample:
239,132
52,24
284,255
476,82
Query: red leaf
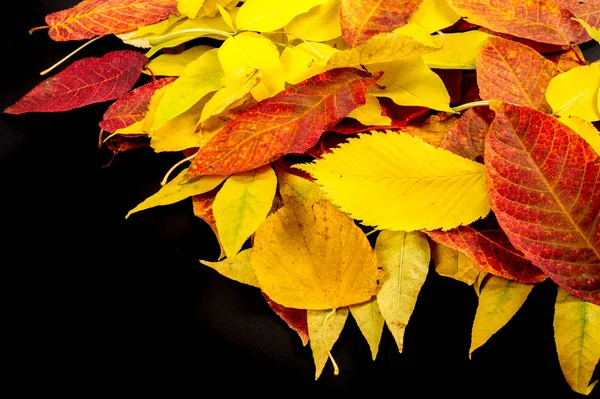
296,319
131,107
544,184
203,209
288,123
467,137
84,82
470,90
361,19
542,48
568,60
452,79
92,18
588,10
491,251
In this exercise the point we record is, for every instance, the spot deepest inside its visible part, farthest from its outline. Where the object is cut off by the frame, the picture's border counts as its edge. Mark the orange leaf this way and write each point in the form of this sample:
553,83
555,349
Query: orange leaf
513,72
567,60
361,19
92,18
588,10
288,123
467,137
544,185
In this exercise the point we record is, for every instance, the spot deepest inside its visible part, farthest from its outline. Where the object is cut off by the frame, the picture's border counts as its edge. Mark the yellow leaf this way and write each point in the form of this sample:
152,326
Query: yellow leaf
241,205
210,8
396,181
179,133
585,129
433,129
304,61
451,263
158,28
499,300
235,86
189,8
324,333
296,188
174,192
575,92
370,322
269,15
251,50
310,255
592,31
411,82
370,113
434,15
479,282
459,51
320,24
135,128
405,260
226,17
238,268
384,47
129,38
199,78
174,64
577,337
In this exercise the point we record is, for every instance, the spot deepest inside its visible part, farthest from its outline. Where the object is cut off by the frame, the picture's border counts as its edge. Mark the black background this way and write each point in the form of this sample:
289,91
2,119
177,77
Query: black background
100,304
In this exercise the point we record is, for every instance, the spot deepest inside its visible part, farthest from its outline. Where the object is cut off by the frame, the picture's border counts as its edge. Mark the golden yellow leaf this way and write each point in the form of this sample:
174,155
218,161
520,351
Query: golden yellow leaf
479,282
431,188
592,31
305,60
324,328
210,8
237,268
296,188
241,205
320,24
189,8
174,192
577,337
370,113
174,64
434,15
268,15
585,129
179,133
499,300
310,255
405,260
451,263
251,50
575,92
459,51
135,128
227,17
370,322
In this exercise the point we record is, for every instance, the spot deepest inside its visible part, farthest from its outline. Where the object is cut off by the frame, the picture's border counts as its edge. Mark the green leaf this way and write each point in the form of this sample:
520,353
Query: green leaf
237,268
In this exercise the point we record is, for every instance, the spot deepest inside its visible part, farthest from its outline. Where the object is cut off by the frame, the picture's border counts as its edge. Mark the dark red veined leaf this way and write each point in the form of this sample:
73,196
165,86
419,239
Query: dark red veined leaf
327,143
588,10
126,142
288,123
131,107
203,209
361,19
510,71
84,82
296,319
487,245
92,18
461,25
467,137
470,90
544,187
452,79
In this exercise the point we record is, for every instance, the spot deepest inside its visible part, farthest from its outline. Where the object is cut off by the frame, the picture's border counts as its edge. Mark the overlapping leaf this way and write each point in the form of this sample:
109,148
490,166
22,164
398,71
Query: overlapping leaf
587,10
267,16
296,319
320,24
237,268
324,328
576,92
454,264
467,137
370,322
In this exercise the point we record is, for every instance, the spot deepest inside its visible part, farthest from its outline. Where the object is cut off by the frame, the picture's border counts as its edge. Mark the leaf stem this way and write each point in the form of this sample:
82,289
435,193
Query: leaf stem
173,35
70,55
38,28
101,138
371,232
471,105
166,178
336,369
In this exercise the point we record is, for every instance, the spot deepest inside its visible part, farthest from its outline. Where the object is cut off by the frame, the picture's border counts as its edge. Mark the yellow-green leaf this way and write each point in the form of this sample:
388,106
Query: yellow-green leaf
268,15
179,133
451,263
158,28
370,322
499,300
226,17
370,113
577,337
396,181
592,31
434,15
384,47
305,60
237,268
296,188
309,255
210,8
575,92
320,24
411,82
241,205
323,333
174,64
199,78
189,8
251,50
585,129
174,192
405,260
459,51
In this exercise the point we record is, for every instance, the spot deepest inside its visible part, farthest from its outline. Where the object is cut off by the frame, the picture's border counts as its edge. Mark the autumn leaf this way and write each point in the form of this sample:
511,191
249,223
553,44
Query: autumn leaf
305,60
585,129
202,204
433,129
92,18
577,337
87,81
241,205
405,260
361,19
296,188
296,319
576,92
499,300
454,264
434,15
300,263
210,8
567,60
432,188
290,122
467,137
324,328
544,184
370,322
515,73
174,64
189,8
540,20
237,268
267,16
370,113
131,107
458,52
588,10
486,244
320,24
593,32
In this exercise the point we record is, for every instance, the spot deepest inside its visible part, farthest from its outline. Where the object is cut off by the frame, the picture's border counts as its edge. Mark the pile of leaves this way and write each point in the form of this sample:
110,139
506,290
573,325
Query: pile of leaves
460,132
